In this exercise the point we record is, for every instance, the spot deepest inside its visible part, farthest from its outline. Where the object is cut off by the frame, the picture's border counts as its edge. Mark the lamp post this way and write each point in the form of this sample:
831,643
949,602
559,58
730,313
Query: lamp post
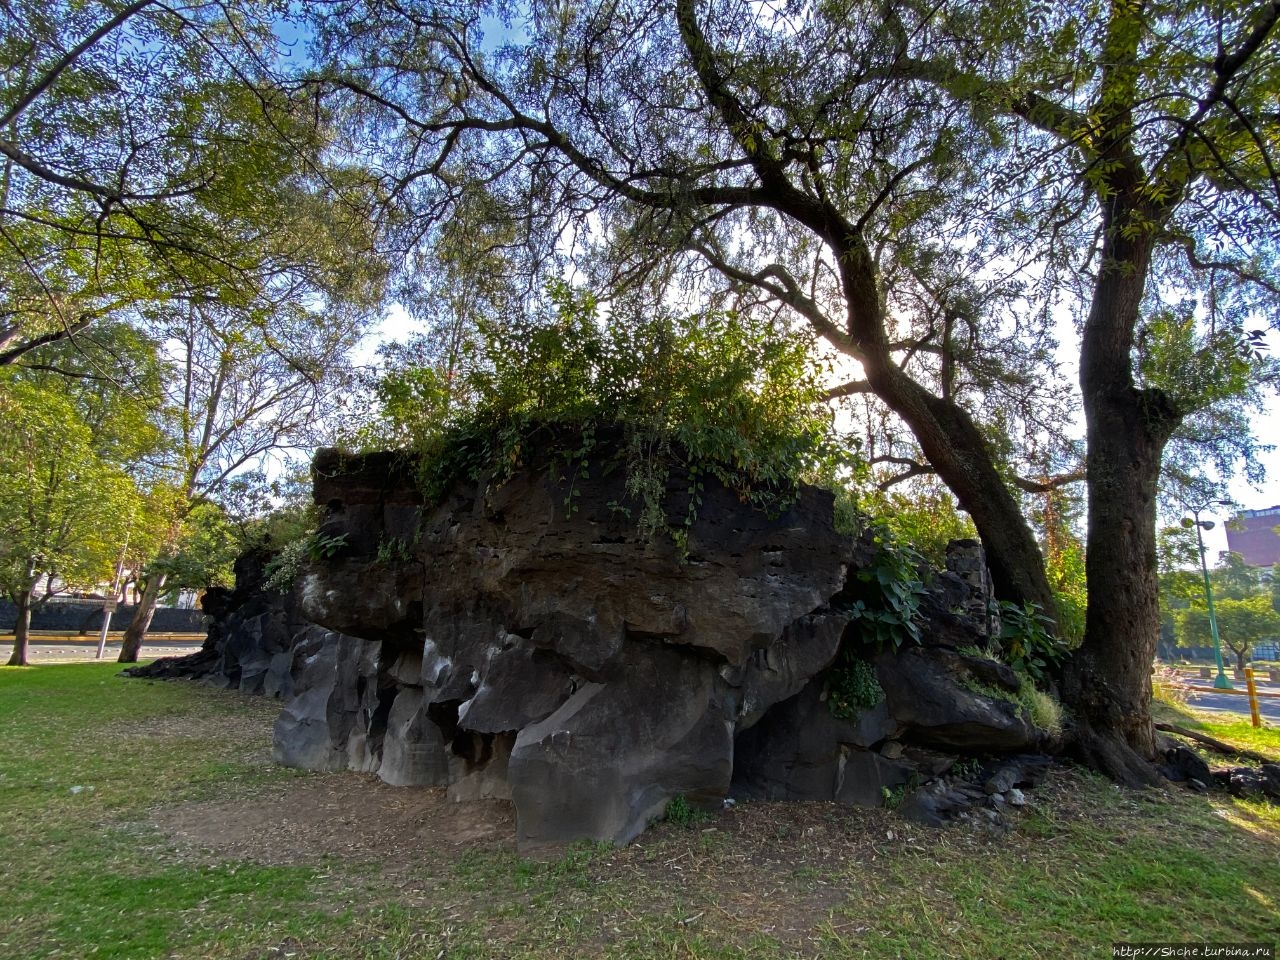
1220,682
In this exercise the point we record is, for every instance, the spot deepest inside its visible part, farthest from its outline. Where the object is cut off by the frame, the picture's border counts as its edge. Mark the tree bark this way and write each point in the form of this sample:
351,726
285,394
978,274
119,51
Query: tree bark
136,632
21,630
1107,683
956,449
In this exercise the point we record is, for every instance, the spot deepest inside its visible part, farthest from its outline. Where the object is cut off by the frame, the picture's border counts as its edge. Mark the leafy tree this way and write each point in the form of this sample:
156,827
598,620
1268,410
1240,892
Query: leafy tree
1180,580
1241,624
921,184
150,154
64,509
203,556
1233,579
237,390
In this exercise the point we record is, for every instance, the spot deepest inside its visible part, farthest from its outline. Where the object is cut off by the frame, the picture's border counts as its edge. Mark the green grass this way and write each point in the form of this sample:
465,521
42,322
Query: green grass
1236,732
92,873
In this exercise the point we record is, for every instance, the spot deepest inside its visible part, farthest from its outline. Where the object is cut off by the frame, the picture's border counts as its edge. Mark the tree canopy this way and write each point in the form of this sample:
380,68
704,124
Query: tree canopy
152,155
923,185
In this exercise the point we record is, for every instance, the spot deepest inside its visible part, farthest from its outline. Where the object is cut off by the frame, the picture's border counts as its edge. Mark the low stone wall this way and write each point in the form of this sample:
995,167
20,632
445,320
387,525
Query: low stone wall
86,616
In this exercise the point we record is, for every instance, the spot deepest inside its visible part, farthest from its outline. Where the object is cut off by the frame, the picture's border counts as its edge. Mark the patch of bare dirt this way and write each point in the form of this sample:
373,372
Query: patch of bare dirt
352,816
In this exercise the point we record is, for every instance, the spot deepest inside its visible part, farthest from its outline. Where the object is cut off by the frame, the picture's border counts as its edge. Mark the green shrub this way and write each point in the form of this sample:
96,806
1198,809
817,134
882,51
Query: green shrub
852,686
885,595
682,814
1044,710
1027,641
709,395
282,571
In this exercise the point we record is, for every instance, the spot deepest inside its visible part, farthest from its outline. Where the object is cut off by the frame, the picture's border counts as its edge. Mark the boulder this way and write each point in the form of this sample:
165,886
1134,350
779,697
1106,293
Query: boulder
522,639
949,700
414,752
336,720
607,762
793,753
561,658
1183,764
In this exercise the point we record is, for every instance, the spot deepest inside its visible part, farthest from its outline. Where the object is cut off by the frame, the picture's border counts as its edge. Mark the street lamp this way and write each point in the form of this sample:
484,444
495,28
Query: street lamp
1220,681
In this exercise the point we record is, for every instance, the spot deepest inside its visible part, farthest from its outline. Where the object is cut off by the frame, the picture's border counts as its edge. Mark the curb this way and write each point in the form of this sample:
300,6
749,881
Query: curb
1238,691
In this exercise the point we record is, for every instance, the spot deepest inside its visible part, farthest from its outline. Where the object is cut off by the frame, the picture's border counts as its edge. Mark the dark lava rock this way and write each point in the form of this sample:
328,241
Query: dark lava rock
930,691
252,630
1183,764
934,804
523,640
1254,783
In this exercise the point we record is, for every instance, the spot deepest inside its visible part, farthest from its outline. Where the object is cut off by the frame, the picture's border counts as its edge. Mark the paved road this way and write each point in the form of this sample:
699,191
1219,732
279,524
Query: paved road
1236,703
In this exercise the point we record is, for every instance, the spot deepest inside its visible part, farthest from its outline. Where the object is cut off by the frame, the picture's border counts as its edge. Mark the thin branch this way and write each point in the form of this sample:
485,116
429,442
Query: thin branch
68,59
1214,744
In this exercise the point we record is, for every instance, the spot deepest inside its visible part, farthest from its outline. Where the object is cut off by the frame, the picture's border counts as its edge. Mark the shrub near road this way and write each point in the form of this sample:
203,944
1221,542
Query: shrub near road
183,840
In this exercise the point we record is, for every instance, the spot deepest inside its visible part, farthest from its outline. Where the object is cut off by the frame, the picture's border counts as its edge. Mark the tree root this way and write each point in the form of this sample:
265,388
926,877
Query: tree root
1110,755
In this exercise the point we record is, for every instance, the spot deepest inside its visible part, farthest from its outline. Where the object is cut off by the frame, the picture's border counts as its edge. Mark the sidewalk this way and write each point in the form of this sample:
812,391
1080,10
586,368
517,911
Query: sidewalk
72,648
1265,688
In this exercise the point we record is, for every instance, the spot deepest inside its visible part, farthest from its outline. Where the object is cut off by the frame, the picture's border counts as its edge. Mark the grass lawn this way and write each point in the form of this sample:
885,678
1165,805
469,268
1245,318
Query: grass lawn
147,820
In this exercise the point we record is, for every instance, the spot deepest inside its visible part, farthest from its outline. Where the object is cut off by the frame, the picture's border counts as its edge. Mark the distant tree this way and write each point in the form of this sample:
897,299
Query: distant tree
1234,579
64,509
239,387
1241,624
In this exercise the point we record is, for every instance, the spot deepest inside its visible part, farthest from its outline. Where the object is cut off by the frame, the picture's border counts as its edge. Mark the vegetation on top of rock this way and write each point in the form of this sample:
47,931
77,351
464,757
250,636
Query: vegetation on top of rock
707,395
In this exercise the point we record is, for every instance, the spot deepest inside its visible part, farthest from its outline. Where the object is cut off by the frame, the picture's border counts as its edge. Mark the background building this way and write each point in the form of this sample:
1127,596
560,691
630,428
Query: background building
1252,534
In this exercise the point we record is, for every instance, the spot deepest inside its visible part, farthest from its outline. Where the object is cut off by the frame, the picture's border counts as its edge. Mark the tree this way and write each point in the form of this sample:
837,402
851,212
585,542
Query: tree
1241,624
150,154
238,388
63,508
1233,579
917,183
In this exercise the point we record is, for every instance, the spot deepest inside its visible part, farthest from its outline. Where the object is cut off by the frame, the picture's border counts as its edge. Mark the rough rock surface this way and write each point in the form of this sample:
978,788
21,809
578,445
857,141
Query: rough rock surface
523,640
938,695
251,633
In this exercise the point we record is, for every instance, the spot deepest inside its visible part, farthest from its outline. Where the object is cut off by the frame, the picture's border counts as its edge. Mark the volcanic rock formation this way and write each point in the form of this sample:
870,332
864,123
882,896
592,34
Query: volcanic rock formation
522,639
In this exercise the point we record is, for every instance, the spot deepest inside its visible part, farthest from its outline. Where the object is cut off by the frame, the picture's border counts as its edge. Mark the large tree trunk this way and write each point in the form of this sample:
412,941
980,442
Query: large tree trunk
1107,683
956,449
136,632
21,630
